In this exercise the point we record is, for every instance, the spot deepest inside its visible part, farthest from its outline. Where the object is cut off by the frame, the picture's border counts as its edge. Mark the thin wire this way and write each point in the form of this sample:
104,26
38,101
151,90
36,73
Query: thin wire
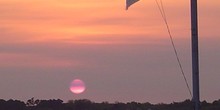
163,14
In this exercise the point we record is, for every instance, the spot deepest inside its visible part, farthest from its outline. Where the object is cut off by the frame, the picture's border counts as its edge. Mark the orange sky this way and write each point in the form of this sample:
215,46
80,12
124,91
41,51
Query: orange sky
38,33
79,20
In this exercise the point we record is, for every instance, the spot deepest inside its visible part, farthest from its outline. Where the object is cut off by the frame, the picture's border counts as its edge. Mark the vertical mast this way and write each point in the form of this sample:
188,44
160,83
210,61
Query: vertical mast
195,56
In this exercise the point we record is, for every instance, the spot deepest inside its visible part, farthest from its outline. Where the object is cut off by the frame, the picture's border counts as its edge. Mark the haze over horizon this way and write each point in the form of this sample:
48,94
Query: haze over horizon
120,55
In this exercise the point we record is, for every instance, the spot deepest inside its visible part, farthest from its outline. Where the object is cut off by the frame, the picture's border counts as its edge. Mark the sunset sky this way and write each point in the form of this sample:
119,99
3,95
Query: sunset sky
120,55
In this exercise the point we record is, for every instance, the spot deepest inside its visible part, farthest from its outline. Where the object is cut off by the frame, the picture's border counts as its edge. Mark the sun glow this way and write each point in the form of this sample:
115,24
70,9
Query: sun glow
77,86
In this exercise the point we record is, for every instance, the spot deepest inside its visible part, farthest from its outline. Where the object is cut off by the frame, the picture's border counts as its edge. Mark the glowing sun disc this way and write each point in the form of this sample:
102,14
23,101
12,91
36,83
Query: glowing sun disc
77,86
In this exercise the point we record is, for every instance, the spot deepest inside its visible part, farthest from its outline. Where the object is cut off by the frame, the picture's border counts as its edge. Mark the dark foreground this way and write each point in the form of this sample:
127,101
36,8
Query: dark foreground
85,104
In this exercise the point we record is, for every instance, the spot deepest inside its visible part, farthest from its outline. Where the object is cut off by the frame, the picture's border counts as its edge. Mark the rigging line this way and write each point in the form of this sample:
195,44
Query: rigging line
162,12
162,7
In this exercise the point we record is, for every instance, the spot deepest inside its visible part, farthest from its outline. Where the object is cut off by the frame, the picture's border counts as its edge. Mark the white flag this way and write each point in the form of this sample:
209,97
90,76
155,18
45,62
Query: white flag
129,3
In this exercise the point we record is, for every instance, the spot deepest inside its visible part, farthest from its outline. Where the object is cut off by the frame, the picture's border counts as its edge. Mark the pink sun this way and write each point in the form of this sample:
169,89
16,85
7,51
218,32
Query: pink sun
77,86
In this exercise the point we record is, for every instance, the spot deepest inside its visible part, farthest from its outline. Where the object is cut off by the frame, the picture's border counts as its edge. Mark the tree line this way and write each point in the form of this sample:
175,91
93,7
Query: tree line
85,104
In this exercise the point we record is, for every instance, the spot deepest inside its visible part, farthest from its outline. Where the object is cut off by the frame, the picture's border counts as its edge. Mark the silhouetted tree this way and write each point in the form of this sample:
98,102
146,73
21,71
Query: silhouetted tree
15,105
2,104
50,104
85,104
32,102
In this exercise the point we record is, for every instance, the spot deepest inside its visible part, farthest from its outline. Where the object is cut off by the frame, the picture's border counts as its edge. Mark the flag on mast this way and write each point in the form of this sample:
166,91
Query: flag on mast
129,3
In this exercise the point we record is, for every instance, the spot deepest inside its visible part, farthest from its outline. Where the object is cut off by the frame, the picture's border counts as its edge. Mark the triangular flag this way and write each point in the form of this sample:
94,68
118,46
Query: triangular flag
129,3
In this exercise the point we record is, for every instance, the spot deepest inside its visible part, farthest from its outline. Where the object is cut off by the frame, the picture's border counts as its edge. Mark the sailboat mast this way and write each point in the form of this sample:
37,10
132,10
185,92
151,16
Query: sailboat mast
195,54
